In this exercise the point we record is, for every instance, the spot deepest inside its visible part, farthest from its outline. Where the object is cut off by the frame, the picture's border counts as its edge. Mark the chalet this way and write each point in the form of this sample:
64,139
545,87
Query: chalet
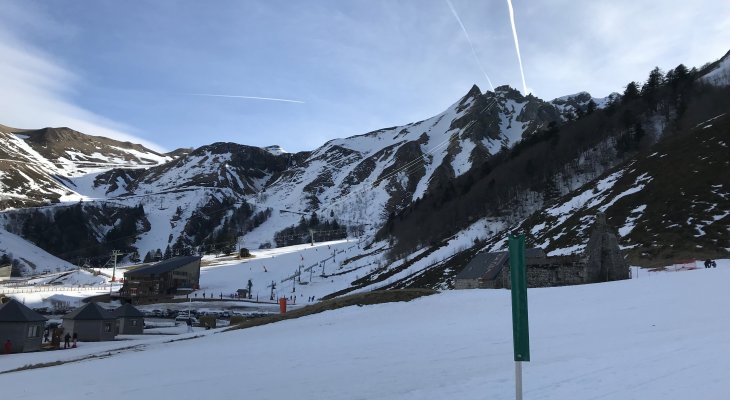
22,326
91,322
130,321
602,261
162,279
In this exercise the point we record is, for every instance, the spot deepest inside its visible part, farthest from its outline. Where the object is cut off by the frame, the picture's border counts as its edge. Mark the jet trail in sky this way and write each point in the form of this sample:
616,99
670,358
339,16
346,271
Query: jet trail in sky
517,44
245,97
468,39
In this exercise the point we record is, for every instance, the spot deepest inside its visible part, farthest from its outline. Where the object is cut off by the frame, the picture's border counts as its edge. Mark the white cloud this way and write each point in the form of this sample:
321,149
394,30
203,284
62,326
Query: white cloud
35,92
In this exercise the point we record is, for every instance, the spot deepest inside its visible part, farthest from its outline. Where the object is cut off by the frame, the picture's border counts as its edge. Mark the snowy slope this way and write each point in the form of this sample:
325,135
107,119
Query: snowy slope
720,74
644,339
32,259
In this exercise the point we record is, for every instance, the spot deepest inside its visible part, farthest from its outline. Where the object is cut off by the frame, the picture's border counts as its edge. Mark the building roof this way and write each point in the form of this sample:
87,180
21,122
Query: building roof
89,311
481,263
128,311
487,265
162,266
15,311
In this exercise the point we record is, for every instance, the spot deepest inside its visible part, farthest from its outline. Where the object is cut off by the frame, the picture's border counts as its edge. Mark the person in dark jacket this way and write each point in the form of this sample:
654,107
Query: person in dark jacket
66,340
8,347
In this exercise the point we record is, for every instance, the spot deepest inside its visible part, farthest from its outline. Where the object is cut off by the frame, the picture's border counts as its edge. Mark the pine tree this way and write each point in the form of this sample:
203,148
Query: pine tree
631,92
651,86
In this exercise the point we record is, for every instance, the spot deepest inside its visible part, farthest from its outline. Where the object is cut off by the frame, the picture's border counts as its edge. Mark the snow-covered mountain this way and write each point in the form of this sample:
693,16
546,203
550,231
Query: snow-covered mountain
484,146
37,166
360,179
576,104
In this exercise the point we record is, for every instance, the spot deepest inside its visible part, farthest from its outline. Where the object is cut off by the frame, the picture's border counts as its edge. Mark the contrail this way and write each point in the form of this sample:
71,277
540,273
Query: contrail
517,44
245,97
468,39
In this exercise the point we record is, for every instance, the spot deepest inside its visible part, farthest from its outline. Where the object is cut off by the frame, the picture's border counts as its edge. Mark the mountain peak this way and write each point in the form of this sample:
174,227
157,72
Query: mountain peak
473,92
508,91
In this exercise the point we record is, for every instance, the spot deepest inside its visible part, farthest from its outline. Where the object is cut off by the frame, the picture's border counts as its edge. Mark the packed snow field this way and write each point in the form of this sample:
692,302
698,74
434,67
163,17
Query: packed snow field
656,338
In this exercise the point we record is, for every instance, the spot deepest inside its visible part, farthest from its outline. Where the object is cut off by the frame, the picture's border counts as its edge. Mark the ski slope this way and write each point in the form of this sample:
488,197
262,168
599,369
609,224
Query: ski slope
225,277
32,258
664,337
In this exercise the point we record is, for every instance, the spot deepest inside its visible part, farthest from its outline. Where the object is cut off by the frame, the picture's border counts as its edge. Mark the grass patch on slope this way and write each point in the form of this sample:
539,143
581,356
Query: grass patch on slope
359,299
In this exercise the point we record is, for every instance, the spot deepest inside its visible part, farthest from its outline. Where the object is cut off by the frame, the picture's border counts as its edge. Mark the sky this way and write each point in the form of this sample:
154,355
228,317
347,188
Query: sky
141,71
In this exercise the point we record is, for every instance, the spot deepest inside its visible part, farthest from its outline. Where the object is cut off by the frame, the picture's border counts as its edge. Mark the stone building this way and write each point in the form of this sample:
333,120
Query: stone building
601,261
22,326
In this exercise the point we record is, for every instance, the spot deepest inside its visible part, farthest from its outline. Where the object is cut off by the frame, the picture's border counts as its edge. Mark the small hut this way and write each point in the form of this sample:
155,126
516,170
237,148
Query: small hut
130,321
22,326
91,322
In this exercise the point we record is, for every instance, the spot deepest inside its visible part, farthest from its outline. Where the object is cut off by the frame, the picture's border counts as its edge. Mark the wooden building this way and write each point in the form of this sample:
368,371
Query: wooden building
91,322
162,279
22,326
130,321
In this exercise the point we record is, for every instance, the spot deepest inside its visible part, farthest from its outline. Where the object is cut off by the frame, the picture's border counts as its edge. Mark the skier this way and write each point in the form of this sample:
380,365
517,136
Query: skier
708,263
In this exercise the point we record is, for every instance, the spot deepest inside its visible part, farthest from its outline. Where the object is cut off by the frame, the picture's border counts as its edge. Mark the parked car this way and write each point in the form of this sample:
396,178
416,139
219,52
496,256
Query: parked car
184,318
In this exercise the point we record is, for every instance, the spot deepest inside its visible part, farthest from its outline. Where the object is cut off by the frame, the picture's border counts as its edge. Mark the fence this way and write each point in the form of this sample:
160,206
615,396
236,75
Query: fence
52,288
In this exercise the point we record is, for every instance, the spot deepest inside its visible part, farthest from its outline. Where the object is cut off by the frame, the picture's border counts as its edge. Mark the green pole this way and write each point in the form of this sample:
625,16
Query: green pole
520,326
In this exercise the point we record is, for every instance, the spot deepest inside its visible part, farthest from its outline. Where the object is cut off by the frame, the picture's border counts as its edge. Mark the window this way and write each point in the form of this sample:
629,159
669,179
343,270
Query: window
134,322
107,326
34,331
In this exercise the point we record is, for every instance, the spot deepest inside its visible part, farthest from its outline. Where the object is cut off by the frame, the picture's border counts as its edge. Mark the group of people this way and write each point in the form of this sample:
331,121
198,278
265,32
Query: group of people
69,340
710,263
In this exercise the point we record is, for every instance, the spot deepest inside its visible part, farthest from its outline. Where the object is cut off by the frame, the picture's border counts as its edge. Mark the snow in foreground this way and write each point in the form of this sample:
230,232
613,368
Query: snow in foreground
665,337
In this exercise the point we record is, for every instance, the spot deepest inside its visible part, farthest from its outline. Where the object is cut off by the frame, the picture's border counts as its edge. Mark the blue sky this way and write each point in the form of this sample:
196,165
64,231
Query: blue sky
130,69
